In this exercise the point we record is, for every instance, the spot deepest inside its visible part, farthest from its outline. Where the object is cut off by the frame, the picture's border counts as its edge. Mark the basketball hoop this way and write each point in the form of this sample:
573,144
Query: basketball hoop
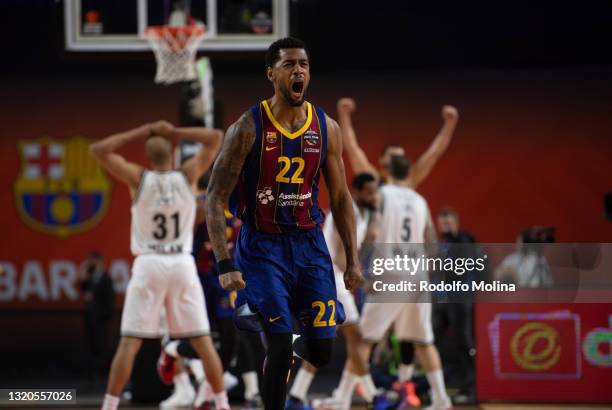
175,49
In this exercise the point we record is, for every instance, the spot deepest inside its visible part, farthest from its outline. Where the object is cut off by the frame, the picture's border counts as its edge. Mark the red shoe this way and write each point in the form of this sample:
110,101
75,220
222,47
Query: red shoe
166,367
409,398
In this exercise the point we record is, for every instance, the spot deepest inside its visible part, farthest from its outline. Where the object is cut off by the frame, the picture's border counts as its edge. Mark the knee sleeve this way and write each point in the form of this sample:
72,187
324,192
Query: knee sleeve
406,352
318,352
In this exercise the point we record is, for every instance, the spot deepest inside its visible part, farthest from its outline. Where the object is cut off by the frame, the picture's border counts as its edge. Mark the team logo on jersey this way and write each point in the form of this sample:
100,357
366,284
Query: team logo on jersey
61,189
311,138
271,137
264,196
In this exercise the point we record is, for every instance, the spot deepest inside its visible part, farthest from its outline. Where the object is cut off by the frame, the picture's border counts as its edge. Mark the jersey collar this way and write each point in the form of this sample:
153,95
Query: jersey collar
286,133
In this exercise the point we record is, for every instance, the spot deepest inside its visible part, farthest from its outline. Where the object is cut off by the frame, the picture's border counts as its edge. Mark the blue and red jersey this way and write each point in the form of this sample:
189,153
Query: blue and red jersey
278,187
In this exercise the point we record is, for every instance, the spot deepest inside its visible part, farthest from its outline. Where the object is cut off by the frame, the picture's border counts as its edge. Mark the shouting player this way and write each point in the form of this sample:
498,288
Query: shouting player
164,272
271,159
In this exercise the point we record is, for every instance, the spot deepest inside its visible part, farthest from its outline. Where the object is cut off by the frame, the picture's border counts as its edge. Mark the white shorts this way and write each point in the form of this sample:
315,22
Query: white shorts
348,301
411,321
164,281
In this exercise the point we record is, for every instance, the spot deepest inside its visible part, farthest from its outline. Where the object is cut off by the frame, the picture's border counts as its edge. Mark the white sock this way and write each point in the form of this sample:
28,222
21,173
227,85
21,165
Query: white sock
251,385
346,386
301,384
182,382
405,372
197,369
172,348
110,402
438,389
369,389
221,400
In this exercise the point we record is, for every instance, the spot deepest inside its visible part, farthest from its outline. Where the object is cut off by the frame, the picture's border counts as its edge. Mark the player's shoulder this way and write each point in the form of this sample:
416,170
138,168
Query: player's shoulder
245,124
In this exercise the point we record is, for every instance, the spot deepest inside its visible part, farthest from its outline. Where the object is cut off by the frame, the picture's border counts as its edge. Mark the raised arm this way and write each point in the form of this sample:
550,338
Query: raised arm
117,165
341,203
210,139
423,166
357,158
238,142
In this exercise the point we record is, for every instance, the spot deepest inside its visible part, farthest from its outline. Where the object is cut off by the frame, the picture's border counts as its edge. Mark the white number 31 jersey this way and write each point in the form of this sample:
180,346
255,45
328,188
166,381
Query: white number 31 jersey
163,214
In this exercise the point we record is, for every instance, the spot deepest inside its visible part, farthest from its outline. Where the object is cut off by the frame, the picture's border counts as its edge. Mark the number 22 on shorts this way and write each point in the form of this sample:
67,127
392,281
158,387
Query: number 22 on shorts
320,305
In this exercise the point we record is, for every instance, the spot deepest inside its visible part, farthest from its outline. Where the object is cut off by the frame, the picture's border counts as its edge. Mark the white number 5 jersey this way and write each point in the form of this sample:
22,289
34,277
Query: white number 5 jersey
404,215
163,214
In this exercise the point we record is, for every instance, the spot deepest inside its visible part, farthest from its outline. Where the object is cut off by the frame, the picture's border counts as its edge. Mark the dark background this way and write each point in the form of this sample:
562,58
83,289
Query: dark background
358,35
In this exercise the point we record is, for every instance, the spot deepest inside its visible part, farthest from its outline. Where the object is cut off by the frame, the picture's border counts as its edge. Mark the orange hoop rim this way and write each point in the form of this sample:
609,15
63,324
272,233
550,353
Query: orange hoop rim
192,30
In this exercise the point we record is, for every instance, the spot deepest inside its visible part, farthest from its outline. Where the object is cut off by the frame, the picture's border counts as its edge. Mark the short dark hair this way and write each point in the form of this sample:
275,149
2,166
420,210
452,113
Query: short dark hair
399,167
273,53
361,179
388,146
448,211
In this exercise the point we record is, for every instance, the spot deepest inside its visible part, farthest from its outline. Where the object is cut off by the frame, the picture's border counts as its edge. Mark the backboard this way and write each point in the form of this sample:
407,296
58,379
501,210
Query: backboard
119,25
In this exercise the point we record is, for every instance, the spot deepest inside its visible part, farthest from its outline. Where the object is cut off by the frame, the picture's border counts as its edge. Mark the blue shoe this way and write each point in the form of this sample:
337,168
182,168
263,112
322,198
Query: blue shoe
296,404
384,401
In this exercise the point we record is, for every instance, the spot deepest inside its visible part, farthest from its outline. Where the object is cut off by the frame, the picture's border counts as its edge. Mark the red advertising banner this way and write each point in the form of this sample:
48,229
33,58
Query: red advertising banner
544,352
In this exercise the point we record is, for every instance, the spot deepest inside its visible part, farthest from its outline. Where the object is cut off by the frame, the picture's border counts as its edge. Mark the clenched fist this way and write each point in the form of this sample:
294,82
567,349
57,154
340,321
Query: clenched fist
449,113
232,281
352,278
346,105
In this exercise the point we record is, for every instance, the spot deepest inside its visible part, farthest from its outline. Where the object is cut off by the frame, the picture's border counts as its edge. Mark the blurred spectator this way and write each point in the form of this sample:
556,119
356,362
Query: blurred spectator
456,316
99,296
527,266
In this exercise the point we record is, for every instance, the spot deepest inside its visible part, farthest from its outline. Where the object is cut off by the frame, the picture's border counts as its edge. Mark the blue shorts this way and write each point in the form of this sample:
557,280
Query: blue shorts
289,276
219,302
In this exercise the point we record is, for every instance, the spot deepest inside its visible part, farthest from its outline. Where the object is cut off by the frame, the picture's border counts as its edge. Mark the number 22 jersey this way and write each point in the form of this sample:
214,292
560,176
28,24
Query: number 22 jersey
277,190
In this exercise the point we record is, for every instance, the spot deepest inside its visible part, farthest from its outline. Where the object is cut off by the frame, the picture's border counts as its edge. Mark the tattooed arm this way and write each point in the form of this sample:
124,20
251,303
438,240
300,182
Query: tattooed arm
341,203
238,141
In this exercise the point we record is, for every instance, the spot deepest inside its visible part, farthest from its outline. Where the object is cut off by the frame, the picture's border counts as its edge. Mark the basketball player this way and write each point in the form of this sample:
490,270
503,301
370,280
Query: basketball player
273,156
164,272
365,187
405,218
419,170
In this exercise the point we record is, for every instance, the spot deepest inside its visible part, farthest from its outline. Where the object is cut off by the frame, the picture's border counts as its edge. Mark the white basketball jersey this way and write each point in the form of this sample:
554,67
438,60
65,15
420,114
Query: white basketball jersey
163,214
334,243
404,215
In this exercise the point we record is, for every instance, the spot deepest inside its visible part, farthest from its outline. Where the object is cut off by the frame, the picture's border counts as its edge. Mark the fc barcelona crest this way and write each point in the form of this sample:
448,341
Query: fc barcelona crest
270,137
61,189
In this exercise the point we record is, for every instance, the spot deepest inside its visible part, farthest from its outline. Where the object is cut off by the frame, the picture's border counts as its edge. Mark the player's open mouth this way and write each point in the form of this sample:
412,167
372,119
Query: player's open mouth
297,87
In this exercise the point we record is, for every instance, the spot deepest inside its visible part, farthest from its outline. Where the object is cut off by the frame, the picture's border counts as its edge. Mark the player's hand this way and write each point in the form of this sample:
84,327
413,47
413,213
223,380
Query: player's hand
162,128
232,281
450,113
346,106
353,278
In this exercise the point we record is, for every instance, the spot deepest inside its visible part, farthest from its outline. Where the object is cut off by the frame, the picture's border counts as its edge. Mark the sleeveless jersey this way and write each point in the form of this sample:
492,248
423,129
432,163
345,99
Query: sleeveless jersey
404,215
163,214
278,186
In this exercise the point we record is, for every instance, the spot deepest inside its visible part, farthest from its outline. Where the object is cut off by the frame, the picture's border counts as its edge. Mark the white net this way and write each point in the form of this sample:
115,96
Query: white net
175,49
